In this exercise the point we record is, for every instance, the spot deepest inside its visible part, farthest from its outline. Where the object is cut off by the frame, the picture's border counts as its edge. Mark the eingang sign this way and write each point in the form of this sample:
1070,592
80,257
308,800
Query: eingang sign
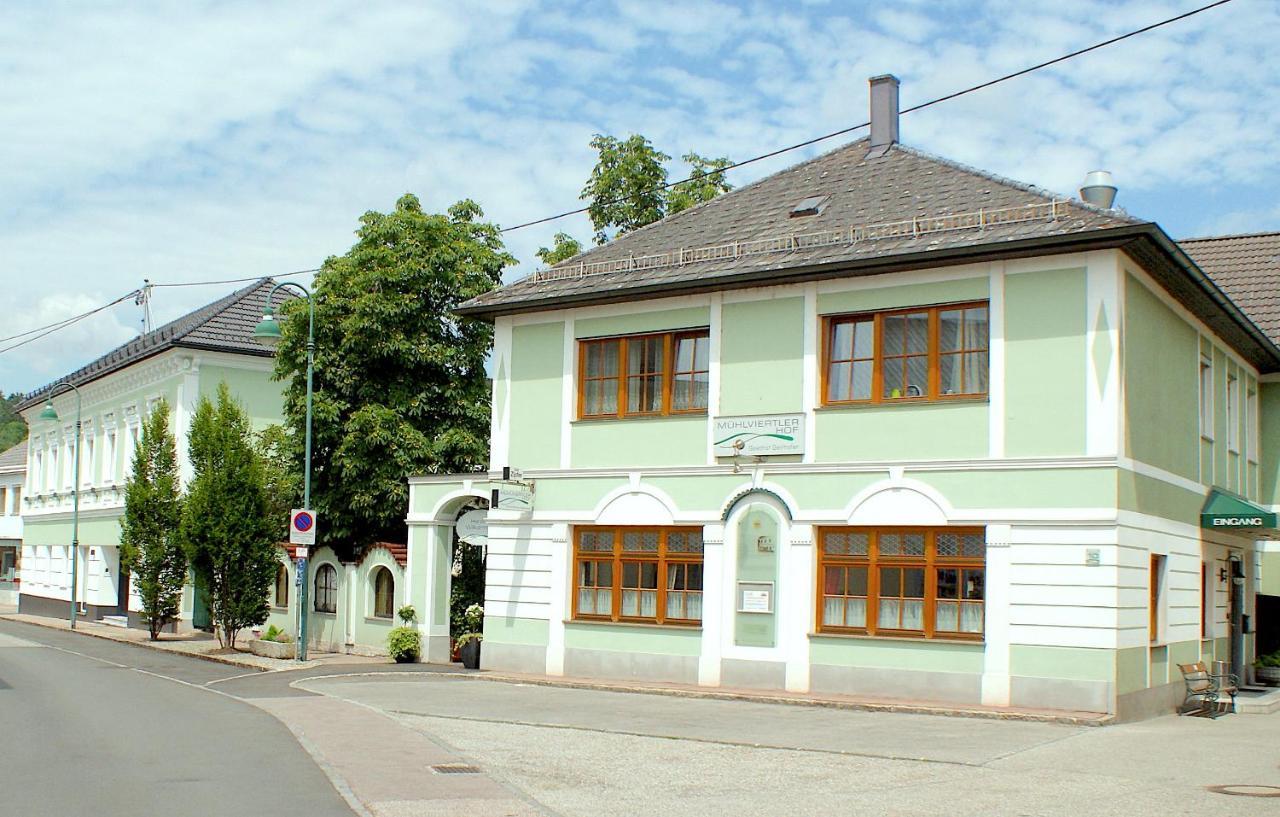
1226,510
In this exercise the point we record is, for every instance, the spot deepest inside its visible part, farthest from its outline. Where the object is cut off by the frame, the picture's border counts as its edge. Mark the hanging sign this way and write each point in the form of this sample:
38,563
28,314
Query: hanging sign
473,527
759,436
511,495
302,527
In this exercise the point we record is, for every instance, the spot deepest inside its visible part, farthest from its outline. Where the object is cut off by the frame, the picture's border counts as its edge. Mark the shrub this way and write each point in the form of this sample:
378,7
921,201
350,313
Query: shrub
473,619
407,614
467,638
276,634
404,645
1272,660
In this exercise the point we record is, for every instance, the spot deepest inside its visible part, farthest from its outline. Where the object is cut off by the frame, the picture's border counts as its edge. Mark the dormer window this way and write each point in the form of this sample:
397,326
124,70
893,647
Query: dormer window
812,206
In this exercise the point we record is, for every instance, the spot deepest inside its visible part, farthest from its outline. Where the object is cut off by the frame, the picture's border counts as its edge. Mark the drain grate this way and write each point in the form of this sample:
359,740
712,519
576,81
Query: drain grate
1246,790
455,768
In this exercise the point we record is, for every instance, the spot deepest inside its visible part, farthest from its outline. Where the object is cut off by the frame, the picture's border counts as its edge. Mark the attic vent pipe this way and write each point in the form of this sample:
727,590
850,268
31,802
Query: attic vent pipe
884,114
1098,189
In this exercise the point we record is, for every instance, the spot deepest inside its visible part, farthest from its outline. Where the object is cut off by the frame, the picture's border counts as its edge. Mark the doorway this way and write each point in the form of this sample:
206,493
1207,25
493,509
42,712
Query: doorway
466,577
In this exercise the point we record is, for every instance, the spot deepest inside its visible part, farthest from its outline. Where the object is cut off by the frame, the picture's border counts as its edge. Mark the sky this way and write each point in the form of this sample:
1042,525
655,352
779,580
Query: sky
196,141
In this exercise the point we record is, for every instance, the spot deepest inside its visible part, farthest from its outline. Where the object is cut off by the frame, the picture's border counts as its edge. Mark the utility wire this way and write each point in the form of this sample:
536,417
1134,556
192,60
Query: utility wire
46,330
919,107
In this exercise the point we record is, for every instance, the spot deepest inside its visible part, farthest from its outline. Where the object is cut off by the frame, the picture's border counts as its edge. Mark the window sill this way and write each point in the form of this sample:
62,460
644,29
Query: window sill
324,613
973,642
967,401
684,415
280,610
1206,438
377,620
639,625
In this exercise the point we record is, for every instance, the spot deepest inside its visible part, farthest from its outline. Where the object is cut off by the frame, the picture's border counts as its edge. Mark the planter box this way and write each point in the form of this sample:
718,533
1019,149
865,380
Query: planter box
272,649
1267,675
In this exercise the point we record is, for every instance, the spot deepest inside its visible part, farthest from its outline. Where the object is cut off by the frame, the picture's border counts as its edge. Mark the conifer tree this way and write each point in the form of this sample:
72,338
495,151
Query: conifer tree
225,528
149,546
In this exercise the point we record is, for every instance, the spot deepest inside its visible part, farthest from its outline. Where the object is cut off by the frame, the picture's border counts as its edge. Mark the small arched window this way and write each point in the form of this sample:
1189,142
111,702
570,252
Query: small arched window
326,589
282,586
384,592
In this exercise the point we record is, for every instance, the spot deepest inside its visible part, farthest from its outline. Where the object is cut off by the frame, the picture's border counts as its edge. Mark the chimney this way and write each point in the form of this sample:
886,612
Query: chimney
1099,189
884,114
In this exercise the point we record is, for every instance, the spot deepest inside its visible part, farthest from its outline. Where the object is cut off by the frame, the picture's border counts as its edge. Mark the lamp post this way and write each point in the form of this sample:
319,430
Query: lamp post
48,413
267,332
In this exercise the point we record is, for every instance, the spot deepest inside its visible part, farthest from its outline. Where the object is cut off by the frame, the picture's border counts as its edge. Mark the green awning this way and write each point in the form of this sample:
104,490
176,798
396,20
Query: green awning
1226,510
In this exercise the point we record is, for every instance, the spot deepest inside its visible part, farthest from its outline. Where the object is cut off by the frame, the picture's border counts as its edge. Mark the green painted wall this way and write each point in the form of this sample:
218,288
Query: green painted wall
633,638
1041,488
1181,652
868,300
638,442
93,531
826,490
1045,363
930,656
1158,661
709,493
1270,574
756,565
574,494
537,364
1158,498
1131,670
261,397
761,349
1074,663
510,630
1161,375
957,430
657,321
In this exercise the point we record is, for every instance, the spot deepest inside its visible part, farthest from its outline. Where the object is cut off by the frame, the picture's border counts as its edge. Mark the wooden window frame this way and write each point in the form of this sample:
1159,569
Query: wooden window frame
617,557
933,355
282,572
931,563
670,340
315,603
391,593
1155,589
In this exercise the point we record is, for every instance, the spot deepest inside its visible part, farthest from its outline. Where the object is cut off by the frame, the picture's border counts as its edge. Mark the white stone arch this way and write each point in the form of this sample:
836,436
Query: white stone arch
445,511
748,492
636,504
899,501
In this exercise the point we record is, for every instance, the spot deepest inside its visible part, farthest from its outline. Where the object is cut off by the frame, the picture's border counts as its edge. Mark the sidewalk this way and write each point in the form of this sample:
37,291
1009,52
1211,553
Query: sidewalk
197,644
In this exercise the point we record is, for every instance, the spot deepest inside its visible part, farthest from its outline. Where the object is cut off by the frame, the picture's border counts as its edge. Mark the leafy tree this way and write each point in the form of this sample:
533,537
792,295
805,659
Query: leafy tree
13,429
627,186
149,546
231,543
705,183
400,385
565,247
279,453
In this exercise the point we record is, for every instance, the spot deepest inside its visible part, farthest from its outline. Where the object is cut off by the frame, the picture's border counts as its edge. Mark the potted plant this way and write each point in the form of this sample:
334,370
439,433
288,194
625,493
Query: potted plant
275,643
469,641
404,643
1267,669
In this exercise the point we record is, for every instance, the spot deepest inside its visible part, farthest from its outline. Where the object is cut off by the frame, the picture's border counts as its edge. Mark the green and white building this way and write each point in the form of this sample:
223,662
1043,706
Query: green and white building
180,362
877,424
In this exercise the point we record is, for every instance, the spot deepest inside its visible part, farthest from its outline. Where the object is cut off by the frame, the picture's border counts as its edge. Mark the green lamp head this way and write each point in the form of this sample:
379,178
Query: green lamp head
267,332
47,413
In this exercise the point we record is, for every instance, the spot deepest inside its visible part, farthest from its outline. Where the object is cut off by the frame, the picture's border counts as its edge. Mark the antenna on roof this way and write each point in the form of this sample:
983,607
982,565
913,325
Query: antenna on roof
144,300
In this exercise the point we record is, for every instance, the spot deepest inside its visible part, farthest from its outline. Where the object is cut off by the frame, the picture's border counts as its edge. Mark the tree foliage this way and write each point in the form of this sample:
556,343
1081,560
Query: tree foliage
400,385
564,248
13,429
627,189
228,538
149,546
279,453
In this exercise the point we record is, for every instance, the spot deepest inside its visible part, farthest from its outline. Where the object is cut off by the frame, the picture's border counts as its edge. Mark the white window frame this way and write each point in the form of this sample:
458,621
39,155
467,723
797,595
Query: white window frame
109,449
1252,429
1233,413
1206,396
86,452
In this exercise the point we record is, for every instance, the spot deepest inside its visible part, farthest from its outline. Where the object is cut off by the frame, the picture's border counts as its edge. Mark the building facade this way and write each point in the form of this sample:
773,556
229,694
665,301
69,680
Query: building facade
13,471
180,363
880,425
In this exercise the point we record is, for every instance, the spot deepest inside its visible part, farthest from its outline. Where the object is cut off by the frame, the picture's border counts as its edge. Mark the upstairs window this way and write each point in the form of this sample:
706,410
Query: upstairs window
644,375
1206,397
930,353
1233,414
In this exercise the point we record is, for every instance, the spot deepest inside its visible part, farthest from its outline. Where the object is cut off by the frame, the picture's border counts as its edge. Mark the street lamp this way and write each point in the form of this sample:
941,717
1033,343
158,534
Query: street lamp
48,413
267,332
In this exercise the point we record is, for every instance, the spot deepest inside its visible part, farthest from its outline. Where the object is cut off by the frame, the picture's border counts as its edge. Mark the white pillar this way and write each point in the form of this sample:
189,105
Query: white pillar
714,605
561,569
995,664
795,575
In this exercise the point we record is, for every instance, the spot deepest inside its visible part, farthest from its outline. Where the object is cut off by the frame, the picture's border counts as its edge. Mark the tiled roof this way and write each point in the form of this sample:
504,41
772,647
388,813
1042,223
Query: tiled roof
226,325
400,553
903,185
15,459
1247,269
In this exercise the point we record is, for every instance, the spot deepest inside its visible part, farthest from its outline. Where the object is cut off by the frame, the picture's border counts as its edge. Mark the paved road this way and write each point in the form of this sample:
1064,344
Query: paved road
100,728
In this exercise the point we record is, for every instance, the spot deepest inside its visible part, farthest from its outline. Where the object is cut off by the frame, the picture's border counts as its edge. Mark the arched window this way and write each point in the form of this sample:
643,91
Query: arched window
326,589
282,586
384,592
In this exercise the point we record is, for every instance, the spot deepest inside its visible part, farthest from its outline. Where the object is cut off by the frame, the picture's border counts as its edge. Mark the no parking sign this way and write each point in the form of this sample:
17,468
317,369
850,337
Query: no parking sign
302,527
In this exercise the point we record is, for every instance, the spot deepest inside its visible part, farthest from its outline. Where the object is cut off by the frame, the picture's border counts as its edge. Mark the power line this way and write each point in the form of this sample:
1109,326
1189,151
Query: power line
235,280
919,107
63,324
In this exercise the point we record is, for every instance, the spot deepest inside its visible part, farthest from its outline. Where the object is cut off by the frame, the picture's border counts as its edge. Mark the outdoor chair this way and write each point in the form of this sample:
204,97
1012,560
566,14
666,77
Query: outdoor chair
1204,691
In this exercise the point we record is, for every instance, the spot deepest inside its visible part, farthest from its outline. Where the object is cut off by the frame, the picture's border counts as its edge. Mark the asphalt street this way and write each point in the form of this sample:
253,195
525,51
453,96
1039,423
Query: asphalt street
113,730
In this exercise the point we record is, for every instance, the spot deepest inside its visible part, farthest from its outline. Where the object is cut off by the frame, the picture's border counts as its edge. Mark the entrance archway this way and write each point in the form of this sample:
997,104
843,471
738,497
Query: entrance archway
466,575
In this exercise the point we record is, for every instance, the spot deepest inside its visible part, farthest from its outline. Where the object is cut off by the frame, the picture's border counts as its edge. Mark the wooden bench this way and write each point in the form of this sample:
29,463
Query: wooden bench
1205,691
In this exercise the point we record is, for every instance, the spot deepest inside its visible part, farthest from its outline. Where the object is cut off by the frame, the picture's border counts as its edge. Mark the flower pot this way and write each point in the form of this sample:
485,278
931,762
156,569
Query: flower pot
1268,675
470,654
